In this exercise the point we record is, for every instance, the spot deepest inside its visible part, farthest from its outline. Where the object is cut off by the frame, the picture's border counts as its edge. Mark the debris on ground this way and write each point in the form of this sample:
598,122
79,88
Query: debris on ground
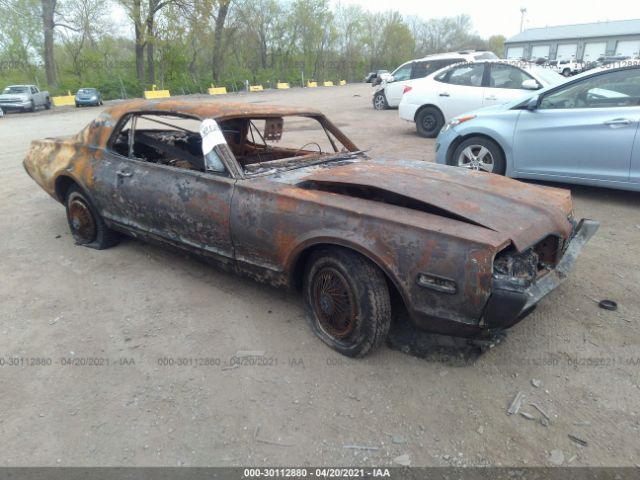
398,440
556,457
578,440
528,416
546,420
536,383
359,447
403,460
608,305
515,403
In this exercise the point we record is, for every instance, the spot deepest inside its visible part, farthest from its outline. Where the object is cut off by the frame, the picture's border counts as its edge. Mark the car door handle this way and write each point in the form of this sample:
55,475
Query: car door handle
492,97
124,173
618,121
444,94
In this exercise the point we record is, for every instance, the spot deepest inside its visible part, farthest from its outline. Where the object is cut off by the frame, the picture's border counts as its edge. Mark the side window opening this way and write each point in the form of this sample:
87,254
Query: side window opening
507,76
611,89
169,140
469,74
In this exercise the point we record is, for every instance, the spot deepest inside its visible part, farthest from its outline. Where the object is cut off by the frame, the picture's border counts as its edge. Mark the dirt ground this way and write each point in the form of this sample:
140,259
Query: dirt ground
163,328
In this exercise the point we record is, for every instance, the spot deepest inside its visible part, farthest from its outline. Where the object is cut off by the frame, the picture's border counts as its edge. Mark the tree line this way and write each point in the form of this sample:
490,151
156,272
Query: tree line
126,46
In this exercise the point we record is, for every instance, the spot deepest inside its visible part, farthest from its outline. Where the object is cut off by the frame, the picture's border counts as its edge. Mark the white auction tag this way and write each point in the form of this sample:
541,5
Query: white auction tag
211,135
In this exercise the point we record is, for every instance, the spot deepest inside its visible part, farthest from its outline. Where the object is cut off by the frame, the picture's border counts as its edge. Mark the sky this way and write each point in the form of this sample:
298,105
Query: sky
491,17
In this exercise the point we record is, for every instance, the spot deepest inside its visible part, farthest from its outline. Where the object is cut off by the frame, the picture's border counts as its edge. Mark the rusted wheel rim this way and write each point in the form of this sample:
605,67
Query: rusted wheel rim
333,303
83,225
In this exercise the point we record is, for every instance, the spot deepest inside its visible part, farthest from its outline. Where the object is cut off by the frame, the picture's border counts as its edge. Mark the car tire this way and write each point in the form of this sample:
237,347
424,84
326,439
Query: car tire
470,154
47,104
566,72
429,122
32,107
380,101
86,224
337,276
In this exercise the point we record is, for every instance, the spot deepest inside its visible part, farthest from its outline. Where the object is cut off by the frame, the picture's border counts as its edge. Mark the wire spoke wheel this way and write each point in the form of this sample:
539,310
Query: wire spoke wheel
333,303
83,225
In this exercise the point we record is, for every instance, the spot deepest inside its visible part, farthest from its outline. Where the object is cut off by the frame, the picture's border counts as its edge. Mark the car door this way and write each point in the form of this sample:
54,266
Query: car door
584,129
35,96
185,207
634,170
459,89
393,90
505,84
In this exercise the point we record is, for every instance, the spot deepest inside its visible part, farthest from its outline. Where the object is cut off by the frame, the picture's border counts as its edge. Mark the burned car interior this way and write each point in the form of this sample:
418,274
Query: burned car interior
256,143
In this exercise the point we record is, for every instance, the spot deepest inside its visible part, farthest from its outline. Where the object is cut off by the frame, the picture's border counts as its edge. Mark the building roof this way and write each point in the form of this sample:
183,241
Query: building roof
582,30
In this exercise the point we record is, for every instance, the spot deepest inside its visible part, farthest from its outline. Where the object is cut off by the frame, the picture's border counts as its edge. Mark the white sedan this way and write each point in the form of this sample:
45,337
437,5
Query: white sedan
432,101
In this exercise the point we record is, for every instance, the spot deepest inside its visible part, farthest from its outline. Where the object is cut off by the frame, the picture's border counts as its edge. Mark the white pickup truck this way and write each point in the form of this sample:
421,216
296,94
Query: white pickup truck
24,97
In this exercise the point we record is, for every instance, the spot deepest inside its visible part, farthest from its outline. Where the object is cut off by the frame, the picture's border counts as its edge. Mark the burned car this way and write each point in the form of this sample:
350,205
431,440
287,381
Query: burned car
282,195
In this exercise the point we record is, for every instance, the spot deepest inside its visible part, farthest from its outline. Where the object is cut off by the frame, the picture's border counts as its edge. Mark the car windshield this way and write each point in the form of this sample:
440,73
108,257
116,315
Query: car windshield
86,91
15,89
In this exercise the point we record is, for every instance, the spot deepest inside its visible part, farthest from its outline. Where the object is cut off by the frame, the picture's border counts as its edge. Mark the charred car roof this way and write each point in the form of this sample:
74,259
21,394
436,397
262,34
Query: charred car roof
209,109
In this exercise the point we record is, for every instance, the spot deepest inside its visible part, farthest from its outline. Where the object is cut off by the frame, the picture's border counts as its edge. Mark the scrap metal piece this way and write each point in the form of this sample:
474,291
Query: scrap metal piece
514,407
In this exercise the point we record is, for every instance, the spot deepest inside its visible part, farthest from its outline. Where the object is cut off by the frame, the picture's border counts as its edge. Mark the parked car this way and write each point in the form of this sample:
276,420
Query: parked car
307,209
432,101
567,68
88,96
372,76
389,93
24,97
584,131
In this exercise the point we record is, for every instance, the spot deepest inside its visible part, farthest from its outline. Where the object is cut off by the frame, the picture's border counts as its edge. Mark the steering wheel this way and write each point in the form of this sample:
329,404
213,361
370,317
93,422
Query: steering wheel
305,145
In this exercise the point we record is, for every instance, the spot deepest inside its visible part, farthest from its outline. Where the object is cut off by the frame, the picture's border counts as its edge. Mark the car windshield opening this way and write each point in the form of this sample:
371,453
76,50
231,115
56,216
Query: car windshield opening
274,142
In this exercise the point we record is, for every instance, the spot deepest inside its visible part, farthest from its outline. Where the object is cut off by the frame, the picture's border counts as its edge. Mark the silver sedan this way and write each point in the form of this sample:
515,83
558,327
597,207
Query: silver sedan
584,131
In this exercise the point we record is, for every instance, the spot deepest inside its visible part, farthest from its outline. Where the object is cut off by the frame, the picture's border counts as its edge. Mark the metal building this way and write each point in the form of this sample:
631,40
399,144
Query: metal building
582,42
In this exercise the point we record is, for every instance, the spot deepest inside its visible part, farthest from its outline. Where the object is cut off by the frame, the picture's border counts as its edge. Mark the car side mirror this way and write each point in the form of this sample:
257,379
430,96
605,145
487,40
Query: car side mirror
390,79
532,104
530,84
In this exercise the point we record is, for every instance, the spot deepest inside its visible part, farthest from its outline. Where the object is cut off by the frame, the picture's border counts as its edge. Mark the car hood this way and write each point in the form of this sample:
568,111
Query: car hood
524,213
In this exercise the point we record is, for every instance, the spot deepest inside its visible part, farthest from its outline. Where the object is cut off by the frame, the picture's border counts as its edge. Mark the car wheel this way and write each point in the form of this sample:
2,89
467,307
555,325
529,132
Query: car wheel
86,224
380,101
32,107
479,153
429,122
77,105
566,72
346,301
47,104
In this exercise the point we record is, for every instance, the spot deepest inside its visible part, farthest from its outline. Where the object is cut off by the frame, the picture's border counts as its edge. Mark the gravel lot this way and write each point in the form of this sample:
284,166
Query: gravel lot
135,305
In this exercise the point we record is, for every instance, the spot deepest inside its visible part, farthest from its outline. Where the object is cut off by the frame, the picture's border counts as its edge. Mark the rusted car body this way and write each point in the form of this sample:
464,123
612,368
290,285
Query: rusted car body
465,252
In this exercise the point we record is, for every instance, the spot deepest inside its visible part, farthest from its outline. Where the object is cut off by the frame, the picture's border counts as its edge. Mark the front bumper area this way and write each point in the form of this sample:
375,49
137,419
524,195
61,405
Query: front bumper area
87,102
505,307
15,106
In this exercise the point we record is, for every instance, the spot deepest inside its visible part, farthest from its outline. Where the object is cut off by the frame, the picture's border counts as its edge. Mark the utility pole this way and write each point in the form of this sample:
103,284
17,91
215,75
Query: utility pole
523,10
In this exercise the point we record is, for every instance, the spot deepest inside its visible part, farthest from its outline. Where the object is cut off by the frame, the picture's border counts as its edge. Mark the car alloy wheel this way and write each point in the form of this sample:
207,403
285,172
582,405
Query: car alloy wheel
379,102
476,157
